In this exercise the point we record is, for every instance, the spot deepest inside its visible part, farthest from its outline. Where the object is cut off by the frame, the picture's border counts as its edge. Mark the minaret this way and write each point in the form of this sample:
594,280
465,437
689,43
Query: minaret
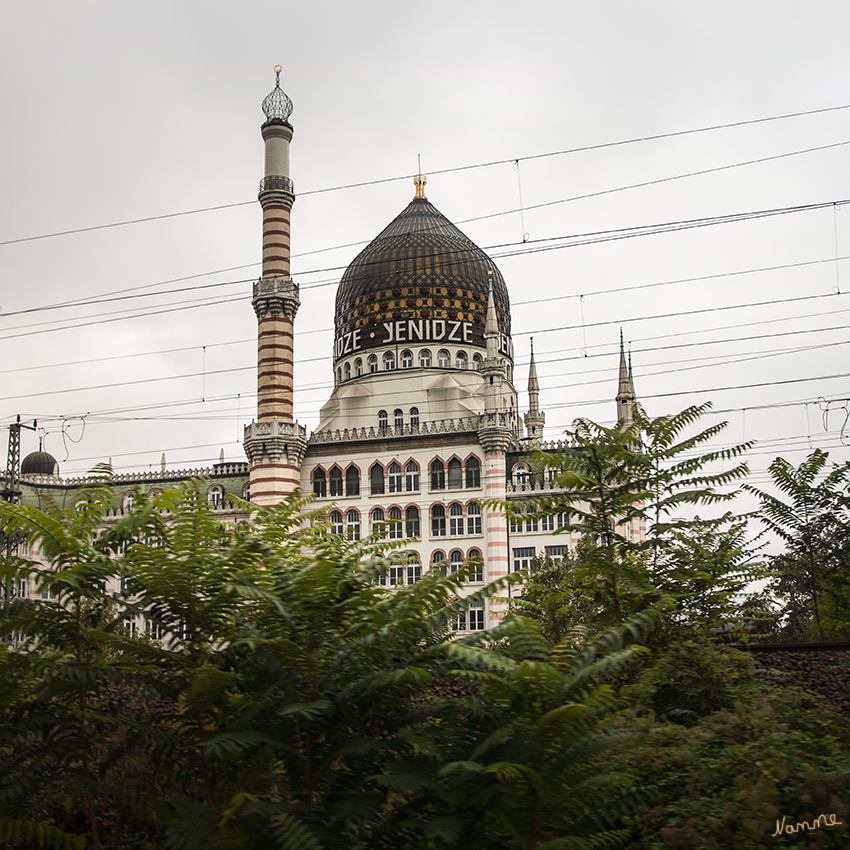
626,396
535,419
275,444
495,434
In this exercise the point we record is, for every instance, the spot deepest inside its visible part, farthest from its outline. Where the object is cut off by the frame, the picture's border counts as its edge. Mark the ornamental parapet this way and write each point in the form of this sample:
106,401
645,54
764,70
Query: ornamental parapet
219,470
464,424
276,296
276,190
276,442
534,486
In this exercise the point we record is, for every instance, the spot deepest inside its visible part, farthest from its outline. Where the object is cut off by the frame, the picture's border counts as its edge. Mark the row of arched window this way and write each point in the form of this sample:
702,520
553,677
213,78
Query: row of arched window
411,571
405,361
395,478
401,523
398,419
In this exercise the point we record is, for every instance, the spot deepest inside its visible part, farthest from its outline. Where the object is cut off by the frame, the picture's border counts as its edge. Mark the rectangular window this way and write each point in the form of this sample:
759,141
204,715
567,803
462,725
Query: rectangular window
438,526
547,523
456,525
414,573
531,524
473,524
476,619
516,526
523,558
556,553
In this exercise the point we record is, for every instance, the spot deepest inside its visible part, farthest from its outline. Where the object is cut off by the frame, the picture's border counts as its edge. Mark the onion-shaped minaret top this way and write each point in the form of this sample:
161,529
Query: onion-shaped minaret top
277,105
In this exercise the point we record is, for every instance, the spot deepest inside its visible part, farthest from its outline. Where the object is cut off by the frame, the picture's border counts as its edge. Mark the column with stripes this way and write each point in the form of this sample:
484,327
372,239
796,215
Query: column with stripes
275,443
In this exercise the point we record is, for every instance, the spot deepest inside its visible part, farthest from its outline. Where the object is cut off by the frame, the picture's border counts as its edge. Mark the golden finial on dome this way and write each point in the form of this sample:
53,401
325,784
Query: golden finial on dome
419,181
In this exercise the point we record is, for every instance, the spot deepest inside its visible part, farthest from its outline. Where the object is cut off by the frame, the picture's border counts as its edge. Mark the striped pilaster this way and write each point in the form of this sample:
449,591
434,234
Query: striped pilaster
275,368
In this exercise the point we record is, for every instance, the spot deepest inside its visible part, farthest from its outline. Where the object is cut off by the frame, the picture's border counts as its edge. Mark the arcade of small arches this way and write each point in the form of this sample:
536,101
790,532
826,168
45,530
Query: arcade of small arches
399,523
397,478
390,361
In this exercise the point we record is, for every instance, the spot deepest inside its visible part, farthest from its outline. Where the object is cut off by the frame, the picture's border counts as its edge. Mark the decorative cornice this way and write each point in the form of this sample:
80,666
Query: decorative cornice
275,442
276,296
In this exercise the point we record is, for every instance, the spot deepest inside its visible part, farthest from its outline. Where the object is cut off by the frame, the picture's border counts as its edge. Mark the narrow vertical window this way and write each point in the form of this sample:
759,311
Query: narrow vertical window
352,481
335,481
376,480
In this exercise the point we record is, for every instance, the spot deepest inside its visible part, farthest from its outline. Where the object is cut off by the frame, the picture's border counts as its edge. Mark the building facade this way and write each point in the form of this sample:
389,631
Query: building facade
422,435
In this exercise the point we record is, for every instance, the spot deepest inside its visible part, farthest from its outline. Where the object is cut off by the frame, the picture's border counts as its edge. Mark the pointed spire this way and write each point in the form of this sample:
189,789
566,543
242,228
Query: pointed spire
491,325
535,419
533,384
626,396
624,388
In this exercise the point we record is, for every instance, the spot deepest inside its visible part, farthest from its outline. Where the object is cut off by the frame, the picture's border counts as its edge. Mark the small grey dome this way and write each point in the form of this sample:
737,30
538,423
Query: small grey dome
39,463
277,105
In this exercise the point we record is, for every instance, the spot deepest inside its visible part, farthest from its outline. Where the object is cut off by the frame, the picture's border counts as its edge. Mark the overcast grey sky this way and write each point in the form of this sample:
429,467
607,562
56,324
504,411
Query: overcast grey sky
114,112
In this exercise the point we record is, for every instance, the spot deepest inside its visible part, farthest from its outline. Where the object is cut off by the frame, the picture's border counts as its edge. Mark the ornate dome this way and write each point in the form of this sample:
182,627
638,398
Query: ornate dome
39,463
420,280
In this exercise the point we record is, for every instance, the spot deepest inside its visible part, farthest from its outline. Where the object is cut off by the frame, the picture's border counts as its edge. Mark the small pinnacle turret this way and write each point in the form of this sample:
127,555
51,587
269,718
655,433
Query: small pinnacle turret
535,419
626,396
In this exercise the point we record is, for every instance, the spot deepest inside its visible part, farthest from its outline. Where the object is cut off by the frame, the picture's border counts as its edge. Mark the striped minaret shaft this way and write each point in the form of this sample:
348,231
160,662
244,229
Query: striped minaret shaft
275,326
275,443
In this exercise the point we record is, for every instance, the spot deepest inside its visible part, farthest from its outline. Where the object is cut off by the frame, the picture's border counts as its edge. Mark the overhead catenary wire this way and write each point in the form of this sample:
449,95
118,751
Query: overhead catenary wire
450,170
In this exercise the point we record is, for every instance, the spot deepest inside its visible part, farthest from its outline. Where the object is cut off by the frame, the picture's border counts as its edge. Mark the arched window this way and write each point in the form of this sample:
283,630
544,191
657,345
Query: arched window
476,362
215,496
411,476
128,500
335,482
339,374
455,560
460,360
456,519
521,475
406,359
411,522
424,359
358,368
398,418
473,518
438,475
336,522
373,362
397,528
389,361
347,371
376,479
455,474
394,475
438,557
414,417
352,524
438,521
382,421
478,568
352,481
473,472
377,517
444,360
246,492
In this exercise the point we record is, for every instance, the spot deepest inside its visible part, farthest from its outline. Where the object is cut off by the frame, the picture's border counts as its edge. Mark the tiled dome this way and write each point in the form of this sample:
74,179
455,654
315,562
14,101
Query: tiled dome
420,267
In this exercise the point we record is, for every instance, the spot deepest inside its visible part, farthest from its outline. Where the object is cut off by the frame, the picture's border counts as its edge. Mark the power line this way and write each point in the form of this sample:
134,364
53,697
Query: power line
379,181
